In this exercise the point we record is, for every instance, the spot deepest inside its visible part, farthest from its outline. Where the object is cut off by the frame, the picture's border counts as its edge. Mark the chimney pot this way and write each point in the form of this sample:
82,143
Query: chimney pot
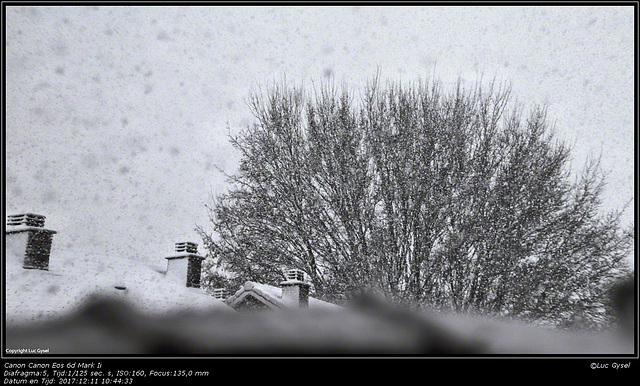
187,247
295,274
28,219
220,293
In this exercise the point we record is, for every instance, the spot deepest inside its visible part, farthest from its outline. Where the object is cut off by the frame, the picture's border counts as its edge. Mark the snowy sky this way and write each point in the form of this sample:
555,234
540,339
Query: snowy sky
116,116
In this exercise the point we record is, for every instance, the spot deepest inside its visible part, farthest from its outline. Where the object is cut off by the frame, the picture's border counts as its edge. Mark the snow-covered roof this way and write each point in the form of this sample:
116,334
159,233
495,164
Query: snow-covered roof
272,296
34,295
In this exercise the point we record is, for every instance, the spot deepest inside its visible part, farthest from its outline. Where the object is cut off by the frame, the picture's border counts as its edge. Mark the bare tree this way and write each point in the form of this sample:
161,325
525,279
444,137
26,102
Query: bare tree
448,199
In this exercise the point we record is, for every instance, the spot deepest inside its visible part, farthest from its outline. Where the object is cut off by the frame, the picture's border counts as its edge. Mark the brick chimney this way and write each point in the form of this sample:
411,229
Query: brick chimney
27,241
185,265
295,291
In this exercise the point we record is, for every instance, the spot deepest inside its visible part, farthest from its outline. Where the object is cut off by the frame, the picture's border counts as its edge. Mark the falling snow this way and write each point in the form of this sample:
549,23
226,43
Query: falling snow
88,88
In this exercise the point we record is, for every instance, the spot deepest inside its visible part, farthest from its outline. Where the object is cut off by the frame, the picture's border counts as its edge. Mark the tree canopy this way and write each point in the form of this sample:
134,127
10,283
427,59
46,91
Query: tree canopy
448,199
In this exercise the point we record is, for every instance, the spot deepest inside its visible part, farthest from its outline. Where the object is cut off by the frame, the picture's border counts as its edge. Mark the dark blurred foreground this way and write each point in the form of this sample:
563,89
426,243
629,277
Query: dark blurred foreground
109,326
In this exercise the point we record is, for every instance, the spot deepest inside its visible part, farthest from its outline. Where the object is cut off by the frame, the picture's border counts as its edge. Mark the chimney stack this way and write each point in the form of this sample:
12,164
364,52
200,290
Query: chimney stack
220,293
185,265
295,291
27,241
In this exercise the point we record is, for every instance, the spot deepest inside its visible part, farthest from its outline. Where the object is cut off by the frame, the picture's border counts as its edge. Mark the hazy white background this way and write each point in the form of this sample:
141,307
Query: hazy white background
116,116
